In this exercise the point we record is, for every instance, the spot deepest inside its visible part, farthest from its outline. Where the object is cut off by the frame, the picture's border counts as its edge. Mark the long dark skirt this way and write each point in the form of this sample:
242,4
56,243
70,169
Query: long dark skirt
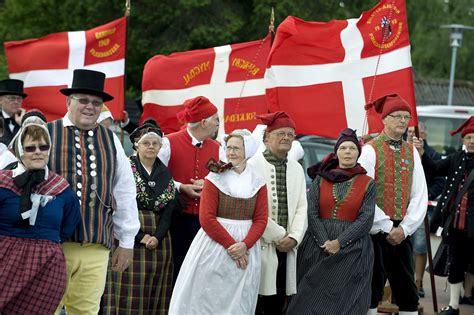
32,276
146,286
337,284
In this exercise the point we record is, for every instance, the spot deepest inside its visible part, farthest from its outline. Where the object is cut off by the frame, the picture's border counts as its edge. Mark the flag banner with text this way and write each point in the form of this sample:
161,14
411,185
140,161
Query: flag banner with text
46,65
322,73
231,76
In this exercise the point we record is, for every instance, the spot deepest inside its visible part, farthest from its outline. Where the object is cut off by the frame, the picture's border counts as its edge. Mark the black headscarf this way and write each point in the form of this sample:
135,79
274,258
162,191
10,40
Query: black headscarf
329,166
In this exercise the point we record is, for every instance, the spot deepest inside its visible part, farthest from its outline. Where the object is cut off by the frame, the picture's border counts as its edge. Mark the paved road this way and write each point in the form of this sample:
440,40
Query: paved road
442,292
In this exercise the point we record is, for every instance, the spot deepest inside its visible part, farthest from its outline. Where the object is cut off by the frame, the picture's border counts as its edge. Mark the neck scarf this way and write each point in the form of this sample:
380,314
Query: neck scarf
218,167
27,181
329,169
153,184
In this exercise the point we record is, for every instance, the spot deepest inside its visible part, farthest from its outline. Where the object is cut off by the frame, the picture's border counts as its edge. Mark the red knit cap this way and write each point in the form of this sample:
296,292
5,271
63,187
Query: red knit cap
465,128
388,104
277,120
196,109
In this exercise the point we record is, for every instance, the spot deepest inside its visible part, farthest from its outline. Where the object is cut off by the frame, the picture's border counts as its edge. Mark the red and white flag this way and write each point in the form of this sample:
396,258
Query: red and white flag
322,74
46,65
230,76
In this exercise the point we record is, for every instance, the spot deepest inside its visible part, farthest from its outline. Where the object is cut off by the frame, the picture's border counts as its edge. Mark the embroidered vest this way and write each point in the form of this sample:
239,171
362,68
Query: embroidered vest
236,208
188,161
393,177
87,159
347,208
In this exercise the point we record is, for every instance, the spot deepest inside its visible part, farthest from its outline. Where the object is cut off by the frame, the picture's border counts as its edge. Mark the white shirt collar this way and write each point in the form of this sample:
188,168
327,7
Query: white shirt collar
5,115
194,140
67,122
243,185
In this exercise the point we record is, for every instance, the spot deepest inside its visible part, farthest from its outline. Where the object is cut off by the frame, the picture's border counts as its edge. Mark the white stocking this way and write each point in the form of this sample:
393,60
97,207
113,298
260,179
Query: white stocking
455,293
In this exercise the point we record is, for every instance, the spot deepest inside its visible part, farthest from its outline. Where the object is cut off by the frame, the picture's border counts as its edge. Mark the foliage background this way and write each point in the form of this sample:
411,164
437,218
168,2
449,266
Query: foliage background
166,26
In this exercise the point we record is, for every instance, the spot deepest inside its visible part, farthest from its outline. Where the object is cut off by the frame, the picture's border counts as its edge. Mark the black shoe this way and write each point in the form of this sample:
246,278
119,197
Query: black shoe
467,300
421,292
449,310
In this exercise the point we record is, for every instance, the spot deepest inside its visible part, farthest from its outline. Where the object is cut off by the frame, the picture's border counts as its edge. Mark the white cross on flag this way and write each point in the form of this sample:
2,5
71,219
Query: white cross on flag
46,65
230,76
321,74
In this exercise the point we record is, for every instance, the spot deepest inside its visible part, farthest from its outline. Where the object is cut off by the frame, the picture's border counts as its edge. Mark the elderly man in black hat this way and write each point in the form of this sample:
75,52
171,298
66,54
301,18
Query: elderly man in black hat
92,160
11,99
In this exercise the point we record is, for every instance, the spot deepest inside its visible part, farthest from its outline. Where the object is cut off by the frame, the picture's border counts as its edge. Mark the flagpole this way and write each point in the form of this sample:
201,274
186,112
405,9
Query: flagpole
385,35
127,15
426,224
271,26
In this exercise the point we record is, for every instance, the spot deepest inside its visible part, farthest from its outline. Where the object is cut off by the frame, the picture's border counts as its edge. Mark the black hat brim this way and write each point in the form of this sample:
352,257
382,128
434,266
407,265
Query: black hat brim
24,95
105,97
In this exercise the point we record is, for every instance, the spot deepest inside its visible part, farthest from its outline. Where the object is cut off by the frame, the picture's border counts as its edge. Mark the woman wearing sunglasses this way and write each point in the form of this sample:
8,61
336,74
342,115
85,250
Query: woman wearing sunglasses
38,210
221,271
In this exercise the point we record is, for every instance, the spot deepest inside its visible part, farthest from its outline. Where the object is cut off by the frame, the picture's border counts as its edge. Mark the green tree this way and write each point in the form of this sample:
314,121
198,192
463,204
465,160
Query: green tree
164,27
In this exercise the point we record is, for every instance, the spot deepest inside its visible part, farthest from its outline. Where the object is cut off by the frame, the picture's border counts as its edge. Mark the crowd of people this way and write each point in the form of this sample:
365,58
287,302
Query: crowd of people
191,225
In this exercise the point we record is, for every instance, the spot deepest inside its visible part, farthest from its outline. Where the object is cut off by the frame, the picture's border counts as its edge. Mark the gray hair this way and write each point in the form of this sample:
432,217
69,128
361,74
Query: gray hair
192,125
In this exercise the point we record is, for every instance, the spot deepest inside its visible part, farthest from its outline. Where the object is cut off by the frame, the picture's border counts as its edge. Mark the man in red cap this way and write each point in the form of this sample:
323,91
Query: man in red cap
456,209
186,154
287,208
400,206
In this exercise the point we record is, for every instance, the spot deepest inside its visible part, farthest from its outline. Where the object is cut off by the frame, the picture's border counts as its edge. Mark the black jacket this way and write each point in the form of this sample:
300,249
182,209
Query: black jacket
7,133
455,168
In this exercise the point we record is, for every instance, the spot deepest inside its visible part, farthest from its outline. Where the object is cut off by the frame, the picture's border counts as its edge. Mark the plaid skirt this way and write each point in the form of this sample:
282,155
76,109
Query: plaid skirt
32,276
146,286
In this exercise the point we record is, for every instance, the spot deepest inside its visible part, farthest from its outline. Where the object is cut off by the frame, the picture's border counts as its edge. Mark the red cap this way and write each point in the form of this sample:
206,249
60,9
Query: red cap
466,127
388,104
196,109
277,120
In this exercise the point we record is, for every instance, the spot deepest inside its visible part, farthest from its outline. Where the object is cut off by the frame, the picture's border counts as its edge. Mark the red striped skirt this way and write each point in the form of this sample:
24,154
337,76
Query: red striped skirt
32,275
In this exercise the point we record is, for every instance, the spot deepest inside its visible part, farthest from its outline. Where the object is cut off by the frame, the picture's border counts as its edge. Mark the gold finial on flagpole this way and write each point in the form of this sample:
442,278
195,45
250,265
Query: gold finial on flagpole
271,27
127,7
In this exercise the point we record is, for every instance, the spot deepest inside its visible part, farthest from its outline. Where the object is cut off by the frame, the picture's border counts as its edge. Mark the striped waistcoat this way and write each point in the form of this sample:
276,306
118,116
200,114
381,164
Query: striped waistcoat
236,208
87,159
393,177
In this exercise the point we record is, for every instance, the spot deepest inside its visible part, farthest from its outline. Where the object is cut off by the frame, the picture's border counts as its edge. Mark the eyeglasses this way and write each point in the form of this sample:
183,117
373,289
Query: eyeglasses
148,143
85,101
14,98
282,134
32,148
234,149
400,117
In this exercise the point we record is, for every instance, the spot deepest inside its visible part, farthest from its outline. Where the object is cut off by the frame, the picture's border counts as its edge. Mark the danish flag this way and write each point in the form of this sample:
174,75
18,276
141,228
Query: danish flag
322,74
46,65
231,76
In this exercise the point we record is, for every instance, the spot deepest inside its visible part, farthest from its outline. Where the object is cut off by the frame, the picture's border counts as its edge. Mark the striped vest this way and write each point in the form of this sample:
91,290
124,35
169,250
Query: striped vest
346,208
87,159
236,208
393,176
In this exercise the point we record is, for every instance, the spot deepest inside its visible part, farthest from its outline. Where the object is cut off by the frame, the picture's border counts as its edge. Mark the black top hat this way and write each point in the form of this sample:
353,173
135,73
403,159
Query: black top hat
88,82
12,87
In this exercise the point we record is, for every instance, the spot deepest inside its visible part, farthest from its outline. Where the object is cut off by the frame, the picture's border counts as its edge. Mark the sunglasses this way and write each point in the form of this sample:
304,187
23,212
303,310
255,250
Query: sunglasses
32,148
85,101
